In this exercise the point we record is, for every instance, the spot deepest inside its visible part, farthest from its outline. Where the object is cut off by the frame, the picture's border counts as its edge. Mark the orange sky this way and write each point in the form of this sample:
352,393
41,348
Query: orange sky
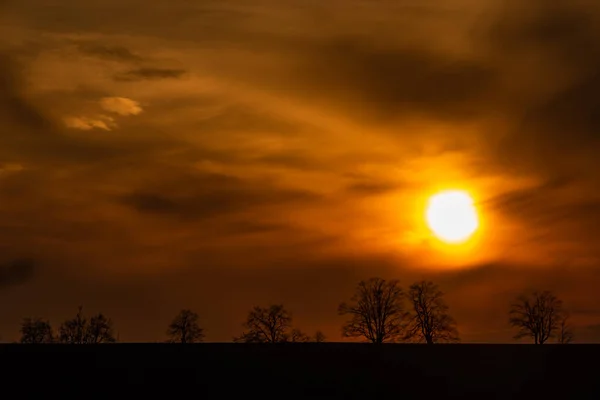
216,155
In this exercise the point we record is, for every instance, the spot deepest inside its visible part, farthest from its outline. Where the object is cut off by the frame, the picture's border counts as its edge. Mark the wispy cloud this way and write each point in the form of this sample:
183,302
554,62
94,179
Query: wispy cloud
121,105
107,52
141,74
86,123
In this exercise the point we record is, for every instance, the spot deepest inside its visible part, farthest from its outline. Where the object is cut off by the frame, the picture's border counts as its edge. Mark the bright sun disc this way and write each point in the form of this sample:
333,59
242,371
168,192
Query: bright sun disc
452,216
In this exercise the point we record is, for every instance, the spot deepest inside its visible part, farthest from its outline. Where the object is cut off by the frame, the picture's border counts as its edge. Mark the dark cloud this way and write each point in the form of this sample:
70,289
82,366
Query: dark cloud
247,227
204,195
148,73
559,134
15,111
151,203
561,209
549,48
16,272
372,188
113,53
243,119
557,129
566,123
396,81
290,159
562,30
530,201
379,83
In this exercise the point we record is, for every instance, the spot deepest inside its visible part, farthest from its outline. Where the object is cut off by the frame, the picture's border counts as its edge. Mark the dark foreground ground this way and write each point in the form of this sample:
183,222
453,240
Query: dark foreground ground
329,370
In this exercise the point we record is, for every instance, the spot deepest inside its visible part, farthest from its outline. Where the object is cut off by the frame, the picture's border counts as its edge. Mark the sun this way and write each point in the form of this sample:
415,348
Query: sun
452,216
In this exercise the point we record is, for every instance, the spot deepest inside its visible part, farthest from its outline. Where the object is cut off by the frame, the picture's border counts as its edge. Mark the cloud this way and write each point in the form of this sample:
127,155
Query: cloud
102,122
249,227
554,117
10,168
530,201
121,105
290,160
559,217
16,272
116,53
375,83
148,73
398,81
372,188
210,195
150,203
118,105
29,133
15,110
34,123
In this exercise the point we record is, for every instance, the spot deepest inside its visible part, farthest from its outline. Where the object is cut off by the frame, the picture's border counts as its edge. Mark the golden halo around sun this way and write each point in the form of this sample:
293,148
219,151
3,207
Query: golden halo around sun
451,216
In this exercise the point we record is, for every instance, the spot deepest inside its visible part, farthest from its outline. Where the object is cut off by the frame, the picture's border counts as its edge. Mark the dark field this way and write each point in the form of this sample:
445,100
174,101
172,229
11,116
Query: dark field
305,371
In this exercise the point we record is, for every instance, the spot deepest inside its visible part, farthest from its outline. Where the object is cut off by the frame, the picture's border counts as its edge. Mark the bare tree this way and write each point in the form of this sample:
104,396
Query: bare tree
430,321
376,312
80,330
538,315
36,330
565,333
185,328
267,325
319,337
298,336
100,330
74,331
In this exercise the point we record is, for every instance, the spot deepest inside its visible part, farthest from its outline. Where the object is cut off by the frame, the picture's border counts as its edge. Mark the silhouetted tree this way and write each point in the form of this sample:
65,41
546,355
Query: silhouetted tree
298,336
80,330
376,312
185,328
565,334
267,325
430,321
538,315
74,330
319,337
36,330
100,330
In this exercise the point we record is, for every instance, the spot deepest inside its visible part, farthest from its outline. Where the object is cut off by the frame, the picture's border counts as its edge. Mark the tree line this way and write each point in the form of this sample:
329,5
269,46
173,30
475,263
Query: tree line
380,311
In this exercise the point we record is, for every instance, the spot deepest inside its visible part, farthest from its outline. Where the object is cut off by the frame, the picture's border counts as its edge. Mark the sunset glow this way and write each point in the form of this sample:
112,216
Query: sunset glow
218,155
